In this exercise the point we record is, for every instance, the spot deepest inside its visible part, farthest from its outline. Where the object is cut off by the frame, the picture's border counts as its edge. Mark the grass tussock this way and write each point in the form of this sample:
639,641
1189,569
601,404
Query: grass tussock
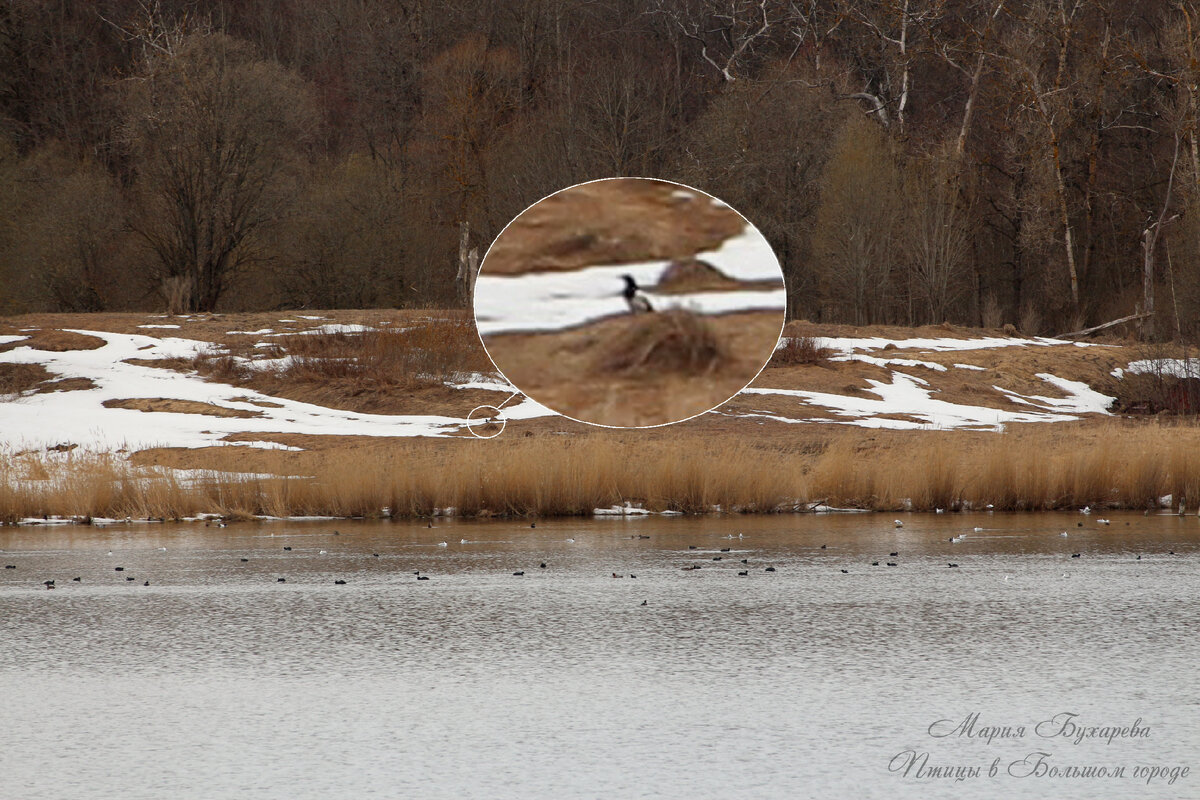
797,350
672,341
555,476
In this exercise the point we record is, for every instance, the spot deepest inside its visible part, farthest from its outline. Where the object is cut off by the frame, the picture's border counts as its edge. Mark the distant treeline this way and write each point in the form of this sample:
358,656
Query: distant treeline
1034,162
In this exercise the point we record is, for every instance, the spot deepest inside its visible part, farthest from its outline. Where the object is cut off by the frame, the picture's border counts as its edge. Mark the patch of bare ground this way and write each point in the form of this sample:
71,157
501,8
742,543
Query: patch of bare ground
394,369
67,385
571,371
54,340
245,328
18,378
261,403
611,222
180,407
692,275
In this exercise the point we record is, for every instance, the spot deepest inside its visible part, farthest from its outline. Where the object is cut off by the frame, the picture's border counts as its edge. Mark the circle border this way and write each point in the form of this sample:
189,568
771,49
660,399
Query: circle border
499,413
483,344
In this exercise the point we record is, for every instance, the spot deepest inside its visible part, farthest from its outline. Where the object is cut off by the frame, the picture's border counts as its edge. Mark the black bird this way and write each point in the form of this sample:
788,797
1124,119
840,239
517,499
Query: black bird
724,549
118,569
339,583
129,579
422,577
542,565
632,575
845,572
245,560
716,558
287,548
645,602
769,569
281,580
10,566
80,580
822,547
745,573
874,563
1074,555
745,561
637,302
951,565
891,563
690,547
893,554
147,583
522,572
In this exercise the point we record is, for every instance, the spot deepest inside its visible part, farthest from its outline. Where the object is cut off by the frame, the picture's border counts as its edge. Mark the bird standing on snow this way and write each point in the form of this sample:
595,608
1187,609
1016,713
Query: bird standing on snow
637,302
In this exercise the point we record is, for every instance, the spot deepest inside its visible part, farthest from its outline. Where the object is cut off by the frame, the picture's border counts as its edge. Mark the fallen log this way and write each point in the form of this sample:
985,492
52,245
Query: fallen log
1102,326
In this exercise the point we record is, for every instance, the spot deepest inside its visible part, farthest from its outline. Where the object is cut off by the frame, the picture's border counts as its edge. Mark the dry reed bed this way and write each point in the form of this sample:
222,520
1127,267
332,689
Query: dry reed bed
418,355
1131,468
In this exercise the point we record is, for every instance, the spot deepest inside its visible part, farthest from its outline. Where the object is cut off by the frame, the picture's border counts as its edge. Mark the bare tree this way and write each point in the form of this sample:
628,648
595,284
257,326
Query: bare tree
935,238
727,31
856,251
213,129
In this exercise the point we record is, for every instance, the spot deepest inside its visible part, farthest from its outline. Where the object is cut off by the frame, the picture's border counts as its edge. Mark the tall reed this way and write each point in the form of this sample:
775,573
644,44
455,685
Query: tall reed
551,476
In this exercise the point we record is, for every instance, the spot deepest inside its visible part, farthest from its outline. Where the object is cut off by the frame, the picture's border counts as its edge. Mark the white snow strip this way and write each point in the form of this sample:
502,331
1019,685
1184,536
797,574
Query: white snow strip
890,362
546,301
332,328
1168,367
261,332
79,417
970,366
8,339
176,327
907,395
507,308
849,344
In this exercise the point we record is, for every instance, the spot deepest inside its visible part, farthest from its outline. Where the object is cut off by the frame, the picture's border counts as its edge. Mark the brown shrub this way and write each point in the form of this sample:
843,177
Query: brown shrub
799,350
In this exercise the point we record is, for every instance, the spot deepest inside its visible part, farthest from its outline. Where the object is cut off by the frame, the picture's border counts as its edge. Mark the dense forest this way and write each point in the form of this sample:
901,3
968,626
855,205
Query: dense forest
1034,162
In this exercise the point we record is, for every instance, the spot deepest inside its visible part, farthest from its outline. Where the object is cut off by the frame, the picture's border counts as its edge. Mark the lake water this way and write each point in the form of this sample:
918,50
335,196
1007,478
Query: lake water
217,680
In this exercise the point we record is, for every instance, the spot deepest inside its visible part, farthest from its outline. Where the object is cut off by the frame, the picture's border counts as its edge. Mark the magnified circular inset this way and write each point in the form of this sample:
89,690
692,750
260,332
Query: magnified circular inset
630,302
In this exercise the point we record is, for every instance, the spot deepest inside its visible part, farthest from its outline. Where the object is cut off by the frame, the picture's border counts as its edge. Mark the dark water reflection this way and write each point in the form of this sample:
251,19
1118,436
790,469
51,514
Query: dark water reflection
218,680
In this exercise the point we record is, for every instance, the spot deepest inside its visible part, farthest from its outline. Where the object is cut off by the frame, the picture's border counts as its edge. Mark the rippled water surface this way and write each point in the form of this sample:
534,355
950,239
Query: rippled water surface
218,680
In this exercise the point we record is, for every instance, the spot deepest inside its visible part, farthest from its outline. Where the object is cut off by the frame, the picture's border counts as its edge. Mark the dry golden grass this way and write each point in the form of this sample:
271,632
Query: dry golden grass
475,477
1036,468
412,356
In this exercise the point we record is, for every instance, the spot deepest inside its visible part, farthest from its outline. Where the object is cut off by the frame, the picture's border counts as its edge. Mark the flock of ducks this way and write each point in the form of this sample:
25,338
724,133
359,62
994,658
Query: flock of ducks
51,583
